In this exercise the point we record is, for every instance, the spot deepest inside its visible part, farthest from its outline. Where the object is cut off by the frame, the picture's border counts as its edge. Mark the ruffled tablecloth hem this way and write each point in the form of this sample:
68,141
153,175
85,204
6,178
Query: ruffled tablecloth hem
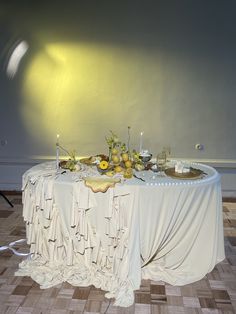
48,276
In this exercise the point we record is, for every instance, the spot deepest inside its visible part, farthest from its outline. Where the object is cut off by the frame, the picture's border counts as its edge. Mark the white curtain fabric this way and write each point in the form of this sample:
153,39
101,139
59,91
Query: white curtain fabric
170,230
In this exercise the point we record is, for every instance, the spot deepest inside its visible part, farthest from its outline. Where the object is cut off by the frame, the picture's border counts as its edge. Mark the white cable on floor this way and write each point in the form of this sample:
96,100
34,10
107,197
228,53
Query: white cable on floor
10,247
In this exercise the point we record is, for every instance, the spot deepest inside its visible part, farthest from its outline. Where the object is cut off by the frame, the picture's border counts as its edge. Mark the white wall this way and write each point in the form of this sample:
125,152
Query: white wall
166,68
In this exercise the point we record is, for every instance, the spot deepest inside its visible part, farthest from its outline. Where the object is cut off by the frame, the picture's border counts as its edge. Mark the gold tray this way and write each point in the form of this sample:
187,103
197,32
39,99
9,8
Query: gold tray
192,174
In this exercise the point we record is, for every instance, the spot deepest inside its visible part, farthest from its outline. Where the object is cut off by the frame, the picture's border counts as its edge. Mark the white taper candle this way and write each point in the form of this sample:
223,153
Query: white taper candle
141,142
57,152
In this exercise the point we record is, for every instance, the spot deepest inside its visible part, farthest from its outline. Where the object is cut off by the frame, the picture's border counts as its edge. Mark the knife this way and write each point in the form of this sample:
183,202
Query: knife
138,178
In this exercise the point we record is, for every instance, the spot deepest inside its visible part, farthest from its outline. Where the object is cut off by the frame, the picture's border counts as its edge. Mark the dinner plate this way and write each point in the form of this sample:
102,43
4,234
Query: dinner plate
192,174
63,165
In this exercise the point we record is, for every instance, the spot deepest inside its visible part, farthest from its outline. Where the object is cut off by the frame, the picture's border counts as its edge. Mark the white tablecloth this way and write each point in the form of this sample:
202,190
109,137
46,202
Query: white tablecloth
161,229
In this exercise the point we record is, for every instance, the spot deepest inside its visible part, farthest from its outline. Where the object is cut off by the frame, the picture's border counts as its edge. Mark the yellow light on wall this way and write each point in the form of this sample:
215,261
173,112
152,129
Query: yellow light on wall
82,90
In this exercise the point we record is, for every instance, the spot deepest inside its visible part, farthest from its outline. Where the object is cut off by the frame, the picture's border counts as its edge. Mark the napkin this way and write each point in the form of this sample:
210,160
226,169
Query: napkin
100,184
181,168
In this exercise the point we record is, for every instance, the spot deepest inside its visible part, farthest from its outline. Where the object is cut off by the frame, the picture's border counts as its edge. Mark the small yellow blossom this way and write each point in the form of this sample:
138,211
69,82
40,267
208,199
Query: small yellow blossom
103,164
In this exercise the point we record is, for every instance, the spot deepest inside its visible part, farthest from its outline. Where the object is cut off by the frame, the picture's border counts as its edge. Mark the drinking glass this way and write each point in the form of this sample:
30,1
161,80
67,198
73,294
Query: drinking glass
161,162
167,150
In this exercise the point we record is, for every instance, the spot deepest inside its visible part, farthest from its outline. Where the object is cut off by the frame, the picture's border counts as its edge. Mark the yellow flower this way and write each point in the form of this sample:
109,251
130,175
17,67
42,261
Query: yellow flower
103,164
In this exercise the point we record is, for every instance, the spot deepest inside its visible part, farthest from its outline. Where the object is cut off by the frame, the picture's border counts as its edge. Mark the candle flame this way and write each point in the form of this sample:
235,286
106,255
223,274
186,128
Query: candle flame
57,143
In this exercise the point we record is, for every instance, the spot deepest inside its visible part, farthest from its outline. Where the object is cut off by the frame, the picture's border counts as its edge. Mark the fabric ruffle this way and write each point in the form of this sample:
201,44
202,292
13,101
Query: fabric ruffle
66,246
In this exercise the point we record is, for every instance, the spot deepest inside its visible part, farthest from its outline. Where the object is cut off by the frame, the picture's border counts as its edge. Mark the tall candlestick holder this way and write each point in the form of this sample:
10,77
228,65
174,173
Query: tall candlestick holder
57,153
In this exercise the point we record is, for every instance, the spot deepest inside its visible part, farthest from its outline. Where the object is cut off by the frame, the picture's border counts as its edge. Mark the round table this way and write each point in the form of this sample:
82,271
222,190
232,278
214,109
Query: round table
157,228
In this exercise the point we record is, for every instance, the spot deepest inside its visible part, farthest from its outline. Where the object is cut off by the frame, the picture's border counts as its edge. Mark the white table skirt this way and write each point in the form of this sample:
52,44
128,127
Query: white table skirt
162,229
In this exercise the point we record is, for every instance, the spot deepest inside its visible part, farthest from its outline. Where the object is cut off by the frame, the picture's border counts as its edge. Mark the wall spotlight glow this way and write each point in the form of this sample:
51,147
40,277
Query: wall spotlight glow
15,58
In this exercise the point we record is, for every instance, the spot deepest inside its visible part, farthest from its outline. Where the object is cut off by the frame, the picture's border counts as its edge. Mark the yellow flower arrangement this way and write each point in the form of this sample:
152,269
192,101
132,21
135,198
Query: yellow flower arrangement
121,159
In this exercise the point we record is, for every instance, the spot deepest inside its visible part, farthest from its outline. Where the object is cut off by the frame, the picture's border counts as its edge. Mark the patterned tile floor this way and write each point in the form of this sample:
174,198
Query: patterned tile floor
215,293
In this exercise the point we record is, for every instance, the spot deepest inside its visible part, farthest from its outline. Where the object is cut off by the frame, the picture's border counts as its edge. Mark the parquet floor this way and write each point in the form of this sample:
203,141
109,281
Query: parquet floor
215,293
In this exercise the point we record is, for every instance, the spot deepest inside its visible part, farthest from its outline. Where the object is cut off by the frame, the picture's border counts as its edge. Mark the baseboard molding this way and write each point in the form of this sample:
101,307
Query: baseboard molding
12,192
229,199
14,187
216,163
219,163
11,172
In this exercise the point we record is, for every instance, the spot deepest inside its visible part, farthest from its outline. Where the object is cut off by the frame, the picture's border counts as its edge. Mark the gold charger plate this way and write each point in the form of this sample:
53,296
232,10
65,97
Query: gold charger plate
192,174
65,164
93,160
89,161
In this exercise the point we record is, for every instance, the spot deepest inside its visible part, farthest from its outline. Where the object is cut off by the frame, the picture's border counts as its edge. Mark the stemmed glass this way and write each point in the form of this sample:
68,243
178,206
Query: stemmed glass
167,150
146,157
161,163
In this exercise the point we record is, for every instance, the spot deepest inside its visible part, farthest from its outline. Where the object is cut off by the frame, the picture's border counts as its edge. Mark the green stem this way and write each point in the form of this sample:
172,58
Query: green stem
65,151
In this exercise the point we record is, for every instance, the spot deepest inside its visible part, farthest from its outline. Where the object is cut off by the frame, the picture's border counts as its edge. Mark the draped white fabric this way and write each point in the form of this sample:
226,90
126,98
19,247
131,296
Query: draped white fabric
170,230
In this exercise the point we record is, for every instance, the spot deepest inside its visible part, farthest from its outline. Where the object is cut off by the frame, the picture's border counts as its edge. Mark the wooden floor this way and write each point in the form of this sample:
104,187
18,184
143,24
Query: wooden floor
215,293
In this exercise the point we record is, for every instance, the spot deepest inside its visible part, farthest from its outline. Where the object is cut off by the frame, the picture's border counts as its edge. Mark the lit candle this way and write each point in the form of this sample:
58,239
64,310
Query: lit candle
57,152
141,142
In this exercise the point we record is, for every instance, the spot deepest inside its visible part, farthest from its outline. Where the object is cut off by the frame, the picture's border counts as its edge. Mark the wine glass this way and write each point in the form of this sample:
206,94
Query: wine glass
145,157
161,162
167,150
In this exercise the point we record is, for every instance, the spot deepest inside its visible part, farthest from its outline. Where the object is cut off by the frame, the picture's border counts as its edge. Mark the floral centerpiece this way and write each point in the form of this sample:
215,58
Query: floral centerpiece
121,159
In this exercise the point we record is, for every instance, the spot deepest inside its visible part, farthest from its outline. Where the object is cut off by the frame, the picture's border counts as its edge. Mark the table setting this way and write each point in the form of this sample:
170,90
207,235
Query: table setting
122,164
110,220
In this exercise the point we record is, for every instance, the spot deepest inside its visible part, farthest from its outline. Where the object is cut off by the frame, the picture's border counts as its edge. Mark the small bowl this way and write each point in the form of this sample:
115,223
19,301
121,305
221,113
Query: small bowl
146,157
155,168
